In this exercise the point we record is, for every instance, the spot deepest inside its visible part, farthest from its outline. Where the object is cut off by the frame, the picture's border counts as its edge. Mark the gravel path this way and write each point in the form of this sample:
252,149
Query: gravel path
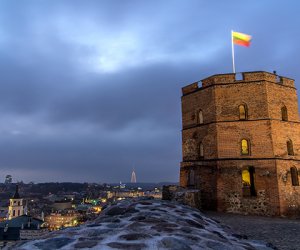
280,232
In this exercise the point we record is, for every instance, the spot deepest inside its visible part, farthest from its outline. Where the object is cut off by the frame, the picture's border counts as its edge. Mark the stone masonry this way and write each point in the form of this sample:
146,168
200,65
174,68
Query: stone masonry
145,224
259,109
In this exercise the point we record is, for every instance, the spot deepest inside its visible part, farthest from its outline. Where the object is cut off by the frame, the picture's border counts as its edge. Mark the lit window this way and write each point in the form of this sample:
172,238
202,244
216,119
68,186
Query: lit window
248,182
200,117
245,147
290,149
294,176
243,112
201,151
284,114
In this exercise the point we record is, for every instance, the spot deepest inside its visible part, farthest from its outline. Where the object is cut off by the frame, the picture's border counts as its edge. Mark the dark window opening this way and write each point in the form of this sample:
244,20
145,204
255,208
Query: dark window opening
290,149
191,178
294,176
201,150
248,182
284,113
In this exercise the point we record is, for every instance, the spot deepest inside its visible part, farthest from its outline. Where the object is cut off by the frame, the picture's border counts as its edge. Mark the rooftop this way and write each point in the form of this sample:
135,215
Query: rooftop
18,221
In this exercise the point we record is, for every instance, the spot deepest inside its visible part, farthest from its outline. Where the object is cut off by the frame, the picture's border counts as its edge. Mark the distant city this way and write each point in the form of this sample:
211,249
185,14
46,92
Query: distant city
29,210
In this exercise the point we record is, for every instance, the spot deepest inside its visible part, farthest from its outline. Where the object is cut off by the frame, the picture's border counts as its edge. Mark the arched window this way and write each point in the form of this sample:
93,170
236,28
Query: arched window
245,147
290,149
201,150
284,114
248,182
200,117
191,178
243,112
294,176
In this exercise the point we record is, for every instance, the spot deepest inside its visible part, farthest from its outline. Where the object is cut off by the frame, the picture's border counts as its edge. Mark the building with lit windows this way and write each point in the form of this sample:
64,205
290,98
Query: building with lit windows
15,208
241,143
62,219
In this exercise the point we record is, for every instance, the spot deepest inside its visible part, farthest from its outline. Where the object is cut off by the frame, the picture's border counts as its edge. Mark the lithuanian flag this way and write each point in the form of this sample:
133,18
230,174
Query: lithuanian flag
241,39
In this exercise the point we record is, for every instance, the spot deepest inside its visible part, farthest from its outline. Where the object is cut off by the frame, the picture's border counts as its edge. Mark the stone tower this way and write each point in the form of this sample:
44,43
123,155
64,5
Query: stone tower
241,143
15,208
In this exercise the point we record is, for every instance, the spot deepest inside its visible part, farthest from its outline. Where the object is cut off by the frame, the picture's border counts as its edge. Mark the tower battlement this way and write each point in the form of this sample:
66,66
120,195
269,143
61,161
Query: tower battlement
234,78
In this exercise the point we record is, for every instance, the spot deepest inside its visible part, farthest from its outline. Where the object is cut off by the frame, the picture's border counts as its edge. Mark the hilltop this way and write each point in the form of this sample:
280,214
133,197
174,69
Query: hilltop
146,224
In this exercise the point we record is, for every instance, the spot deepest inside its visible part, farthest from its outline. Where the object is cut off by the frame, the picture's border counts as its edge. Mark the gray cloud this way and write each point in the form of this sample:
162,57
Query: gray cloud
90,90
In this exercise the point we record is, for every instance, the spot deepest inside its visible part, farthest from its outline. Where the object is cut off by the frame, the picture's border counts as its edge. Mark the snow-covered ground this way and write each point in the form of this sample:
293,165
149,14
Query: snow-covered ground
146,224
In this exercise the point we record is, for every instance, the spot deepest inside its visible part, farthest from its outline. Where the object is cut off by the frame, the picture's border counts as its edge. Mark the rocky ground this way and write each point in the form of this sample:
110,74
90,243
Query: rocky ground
283,233
147,224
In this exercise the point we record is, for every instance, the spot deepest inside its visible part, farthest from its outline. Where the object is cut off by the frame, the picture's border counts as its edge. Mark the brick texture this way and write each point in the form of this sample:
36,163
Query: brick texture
218,172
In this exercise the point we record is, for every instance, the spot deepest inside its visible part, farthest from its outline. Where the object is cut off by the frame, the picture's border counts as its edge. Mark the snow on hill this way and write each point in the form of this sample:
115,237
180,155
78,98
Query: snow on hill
146,224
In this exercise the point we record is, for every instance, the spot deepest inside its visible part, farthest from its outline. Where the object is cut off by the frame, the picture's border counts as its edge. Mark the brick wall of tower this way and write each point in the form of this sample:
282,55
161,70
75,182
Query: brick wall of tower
289,195
205,181
281,133
219,173
191,139
229,188
279,95
229,97
191,104
193,133
258,133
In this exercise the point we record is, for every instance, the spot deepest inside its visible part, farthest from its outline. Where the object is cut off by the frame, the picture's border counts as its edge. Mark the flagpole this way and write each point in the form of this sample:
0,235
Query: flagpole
232,52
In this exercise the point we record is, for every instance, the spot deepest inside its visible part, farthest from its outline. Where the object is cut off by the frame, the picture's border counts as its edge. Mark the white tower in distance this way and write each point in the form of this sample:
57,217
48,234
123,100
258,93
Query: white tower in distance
15,208
133,177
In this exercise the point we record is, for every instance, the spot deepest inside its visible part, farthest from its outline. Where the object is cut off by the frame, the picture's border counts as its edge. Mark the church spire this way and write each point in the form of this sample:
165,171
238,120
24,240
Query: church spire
17,195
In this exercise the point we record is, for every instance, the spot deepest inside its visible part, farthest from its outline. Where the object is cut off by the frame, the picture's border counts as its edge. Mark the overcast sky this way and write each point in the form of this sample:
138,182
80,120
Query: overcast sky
90,90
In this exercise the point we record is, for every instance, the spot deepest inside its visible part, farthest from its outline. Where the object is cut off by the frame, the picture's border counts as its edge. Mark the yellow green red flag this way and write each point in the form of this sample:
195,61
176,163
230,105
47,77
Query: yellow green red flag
241,39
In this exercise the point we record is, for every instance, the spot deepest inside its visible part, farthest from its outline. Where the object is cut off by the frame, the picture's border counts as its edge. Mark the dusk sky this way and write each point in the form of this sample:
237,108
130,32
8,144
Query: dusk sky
91,89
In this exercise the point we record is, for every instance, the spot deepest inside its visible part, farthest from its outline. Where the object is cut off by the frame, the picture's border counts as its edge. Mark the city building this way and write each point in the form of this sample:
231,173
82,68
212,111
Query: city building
241,143
15,208
125,194
3,213
23,227
62,219
62,204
